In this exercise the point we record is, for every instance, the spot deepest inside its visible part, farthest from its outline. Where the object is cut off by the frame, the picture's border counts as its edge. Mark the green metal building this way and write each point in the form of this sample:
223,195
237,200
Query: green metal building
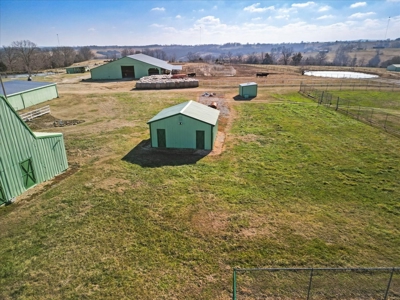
22,94
248,90
133,67
26,158
393,67
77,69
189,125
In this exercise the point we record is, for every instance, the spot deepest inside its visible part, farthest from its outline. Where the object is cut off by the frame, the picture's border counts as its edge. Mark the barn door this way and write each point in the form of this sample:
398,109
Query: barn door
200,139
28,176
128,72
161,138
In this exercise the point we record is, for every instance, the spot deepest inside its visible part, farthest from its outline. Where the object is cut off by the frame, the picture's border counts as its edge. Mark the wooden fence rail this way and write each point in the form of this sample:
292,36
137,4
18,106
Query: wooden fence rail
35,113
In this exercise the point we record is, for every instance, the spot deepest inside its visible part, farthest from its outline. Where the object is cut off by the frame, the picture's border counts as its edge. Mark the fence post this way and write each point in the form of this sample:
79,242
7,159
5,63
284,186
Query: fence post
309,284
388,286
322,98
234,285
384,126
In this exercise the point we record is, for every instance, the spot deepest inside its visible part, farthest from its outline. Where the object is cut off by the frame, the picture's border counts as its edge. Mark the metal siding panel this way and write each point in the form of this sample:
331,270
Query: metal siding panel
16,102
41,95
18,144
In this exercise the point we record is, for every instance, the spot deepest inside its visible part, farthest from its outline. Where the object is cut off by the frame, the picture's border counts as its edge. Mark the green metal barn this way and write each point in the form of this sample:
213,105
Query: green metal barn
77,69
26,158
189,125
248,90
133,67
22,94
393,67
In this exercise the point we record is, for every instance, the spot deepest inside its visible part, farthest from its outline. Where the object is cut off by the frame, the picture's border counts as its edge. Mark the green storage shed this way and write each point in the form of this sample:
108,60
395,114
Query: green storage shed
26,158
248,90
393,67
189,125
133,67
22,94
77,69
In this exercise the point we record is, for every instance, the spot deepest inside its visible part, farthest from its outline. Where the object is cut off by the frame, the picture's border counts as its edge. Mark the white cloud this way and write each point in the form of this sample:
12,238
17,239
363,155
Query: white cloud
91,29
158,9
325,17
157,25
178,17
358,4
361,15
255,8
282,17
324,8
215,7
256,19
302,5
209,20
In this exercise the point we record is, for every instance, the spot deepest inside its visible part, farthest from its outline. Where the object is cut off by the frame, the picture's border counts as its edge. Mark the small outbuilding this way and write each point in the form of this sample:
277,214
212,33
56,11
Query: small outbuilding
393,67
189,125
133,67
22,94
77,69
26,158
248,90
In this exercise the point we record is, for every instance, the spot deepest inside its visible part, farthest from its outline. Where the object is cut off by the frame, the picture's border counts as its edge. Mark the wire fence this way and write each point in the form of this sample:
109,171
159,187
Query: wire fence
376,117
320,83
316,283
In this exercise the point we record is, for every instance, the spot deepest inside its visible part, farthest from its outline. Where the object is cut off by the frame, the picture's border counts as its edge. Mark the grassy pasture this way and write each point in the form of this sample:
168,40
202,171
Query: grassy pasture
297,185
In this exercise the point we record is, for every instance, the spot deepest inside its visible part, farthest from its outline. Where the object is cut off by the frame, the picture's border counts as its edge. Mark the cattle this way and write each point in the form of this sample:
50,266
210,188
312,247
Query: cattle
176,76
262,74
191,74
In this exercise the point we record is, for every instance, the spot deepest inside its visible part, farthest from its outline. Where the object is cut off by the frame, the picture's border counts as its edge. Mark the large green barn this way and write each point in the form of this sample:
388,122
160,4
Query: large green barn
133,67
22,94
190,125
26,158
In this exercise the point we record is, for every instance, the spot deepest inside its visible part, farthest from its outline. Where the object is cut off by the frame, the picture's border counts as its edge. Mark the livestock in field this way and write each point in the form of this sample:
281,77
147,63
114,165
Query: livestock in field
262,74
191,74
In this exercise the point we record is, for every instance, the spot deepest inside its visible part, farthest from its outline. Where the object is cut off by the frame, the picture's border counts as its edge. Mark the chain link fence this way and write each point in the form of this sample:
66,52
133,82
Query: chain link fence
373,116
316,283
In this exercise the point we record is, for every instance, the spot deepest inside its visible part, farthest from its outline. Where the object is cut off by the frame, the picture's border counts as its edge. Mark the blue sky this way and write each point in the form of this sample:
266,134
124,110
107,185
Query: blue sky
137,22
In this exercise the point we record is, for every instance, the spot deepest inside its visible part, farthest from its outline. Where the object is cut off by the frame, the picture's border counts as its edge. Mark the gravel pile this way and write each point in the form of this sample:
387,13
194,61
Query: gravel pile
165,82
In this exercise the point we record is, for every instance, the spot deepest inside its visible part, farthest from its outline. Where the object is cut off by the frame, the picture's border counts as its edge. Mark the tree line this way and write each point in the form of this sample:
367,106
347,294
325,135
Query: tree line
26,56
343,56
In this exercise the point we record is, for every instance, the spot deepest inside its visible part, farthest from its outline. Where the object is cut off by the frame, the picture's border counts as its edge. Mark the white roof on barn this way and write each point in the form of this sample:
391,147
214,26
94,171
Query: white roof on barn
154,61
190,109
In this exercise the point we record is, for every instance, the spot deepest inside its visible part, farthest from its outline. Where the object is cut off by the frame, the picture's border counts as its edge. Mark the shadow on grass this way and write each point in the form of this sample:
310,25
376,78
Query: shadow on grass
146,156
240,98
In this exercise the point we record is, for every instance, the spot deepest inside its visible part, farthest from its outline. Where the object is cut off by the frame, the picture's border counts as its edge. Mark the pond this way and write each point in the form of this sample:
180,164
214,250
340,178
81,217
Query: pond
26,75
340,74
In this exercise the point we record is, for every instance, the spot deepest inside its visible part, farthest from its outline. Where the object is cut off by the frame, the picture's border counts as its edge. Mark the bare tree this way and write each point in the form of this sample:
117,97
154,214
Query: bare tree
341,56
69,55
286,53
26,51
321,58
57,58
125,52
9,57
86,53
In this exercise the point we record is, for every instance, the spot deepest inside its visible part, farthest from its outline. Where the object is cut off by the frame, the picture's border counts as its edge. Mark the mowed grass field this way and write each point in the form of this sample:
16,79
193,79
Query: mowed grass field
297,186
